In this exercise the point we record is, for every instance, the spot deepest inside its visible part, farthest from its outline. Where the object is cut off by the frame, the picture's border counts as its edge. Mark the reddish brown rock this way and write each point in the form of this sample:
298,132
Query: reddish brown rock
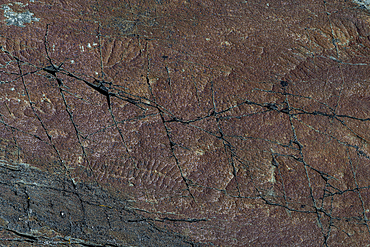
227,123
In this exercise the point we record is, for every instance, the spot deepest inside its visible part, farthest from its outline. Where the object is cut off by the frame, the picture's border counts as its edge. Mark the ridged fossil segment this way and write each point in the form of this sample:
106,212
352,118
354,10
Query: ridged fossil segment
226,123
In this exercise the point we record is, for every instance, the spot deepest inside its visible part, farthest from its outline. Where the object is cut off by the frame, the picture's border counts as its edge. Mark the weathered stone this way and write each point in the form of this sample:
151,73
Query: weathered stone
229,123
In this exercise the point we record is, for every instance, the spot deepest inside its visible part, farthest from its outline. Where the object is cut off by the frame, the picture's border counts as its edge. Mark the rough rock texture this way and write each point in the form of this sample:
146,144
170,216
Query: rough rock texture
44,209
225,123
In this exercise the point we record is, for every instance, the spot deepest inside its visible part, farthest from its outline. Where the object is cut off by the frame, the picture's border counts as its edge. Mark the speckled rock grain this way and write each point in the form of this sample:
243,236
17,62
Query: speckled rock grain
229,123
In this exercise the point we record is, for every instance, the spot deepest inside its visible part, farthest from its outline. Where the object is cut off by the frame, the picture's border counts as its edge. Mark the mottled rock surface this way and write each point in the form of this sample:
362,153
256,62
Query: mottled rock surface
44,209
180,123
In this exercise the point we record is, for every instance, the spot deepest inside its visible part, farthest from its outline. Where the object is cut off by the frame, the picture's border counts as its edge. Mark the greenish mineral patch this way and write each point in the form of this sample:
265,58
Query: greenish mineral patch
363,3
16,18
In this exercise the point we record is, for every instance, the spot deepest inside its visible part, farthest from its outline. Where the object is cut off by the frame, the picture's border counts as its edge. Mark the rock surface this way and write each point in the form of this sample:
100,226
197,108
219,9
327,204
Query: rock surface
220,123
